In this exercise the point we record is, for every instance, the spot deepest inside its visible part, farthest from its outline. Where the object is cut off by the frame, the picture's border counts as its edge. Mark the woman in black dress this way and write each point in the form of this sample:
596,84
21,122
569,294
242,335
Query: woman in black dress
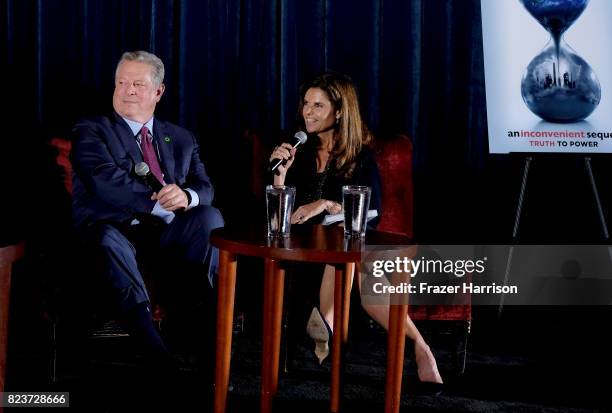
336,153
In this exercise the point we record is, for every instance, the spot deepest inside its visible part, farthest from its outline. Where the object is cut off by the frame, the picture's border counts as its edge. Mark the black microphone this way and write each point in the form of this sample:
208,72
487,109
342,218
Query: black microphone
142,170
300,138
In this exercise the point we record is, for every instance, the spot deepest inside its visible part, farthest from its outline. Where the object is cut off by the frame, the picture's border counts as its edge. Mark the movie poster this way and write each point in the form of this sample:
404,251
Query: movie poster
548,74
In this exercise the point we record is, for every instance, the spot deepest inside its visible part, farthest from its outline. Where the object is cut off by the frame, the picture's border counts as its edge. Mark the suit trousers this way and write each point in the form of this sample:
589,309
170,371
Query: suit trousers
177,255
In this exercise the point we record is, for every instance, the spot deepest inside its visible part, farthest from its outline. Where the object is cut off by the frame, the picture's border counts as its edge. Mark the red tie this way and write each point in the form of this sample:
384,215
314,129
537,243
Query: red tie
148,153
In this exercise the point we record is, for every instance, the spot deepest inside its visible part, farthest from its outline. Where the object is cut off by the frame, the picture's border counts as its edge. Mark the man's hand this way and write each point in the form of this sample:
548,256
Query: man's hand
171,197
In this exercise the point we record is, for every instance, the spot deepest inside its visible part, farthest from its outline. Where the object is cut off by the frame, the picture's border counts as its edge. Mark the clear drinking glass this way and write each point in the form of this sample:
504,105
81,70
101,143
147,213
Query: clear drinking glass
279,206
355,201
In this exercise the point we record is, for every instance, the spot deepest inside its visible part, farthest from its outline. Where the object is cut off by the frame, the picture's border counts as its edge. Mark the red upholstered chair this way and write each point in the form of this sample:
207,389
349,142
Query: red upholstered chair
394,159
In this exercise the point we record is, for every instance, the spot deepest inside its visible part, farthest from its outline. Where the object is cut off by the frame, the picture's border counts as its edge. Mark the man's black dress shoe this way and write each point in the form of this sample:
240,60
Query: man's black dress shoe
428,388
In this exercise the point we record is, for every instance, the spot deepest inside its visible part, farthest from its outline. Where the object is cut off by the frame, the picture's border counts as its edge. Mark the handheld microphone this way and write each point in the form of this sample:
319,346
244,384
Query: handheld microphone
142,170
300,138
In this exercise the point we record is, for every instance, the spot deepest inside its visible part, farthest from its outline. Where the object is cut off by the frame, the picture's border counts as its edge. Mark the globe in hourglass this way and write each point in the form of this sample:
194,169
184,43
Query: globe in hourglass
558,85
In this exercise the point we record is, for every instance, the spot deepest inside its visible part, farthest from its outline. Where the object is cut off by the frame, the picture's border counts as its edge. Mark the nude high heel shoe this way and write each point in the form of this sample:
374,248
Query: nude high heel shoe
318,329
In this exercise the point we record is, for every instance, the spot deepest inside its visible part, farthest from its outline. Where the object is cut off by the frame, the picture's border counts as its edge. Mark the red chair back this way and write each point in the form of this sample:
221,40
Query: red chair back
394,159
62,159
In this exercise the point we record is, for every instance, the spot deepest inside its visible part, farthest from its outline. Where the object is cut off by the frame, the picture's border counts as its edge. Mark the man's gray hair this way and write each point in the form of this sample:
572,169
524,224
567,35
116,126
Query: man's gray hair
157,72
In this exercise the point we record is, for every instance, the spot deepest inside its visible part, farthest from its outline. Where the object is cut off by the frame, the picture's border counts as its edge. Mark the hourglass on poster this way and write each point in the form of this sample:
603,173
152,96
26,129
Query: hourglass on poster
559,85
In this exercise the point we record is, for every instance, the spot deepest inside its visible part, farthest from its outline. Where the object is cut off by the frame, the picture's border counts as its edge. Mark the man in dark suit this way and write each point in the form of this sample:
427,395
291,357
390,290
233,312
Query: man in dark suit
122,216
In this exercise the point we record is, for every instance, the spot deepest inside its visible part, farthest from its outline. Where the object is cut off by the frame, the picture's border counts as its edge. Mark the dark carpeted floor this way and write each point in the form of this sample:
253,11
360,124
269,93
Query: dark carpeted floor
529,360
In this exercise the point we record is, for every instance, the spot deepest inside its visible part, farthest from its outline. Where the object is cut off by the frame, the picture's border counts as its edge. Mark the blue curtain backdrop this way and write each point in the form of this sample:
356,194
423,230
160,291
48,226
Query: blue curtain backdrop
236,64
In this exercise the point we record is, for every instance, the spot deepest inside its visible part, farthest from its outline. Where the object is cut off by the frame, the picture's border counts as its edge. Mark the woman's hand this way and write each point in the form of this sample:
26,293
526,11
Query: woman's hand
305,212
285,152
333,207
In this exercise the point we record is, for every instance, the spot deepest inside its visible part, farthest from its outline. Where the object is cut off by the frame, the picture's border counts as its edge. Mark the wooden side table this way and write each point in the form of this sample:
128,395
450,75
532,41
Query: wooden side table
314,243
8,255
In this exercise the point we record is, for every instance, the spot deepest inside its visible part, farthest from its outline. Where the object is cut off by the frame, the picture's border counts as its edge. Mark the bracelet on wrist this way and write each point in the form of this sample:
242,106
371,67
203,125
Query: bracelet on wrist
330,206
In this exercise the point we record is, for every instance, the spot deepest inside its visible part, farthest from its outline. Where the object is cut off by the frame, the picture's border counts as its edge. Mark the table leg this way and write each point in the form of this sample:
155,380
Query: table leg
274,282
395,356
225,318
346,309
337,340
266,353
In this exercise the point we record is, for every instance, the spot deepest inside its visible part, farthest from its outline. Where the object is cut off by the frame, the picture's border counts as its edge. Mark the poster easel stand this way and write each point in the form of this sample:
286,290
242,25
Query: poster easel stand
519,210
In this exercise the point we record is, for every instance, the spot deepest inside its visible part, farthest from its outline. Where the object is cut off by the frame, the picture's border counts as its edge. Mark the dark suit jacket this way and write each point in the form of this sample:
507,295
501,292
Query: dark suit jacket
104,153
